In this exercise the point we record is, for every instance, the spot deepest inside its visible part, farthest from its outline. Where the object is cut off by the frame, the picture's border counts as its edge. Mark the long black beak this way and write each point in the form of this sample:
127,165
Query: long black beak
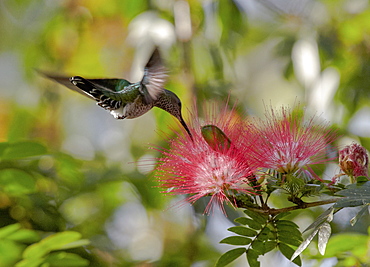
185,127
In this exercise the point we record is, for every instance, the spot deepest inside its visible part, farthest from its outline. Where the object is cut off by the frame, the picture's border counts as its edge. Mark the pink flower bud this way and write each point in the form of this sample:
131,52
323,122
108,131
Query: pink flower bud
353,160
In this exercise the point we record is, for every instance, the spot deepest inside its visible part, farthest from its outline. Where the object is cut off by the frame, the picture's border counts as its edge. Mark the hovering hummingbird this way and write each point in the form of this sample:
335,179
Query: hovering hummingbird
129,100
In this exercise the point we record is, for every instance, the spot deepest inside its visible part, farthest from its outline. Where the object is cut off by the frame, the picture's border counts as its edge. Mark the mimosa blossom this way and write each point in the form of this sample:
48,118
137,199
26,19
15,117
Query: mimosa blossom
194,167
226,154
289,145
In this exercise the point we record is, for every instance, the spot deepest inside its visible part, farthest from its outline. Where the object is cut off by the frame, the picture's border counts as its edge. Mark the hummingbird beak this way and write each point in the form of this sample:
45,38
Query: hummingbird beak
186,128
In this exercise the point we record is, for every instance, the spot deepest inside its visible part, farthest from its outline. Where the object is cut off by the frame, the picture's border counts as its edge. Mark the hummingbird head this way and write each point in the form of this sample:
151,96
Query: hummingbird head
171,103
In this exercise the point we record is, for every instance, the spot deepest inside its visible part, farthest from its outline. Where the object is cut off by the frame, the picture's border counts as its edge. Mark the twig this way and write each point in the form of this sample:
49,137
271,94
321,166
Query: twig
271,211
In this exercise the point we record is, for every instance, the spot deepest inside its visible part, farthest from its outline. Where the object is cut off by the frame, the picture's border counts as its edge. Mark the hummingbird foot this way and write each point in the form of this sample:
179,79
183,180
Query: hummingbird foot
118,117
118,114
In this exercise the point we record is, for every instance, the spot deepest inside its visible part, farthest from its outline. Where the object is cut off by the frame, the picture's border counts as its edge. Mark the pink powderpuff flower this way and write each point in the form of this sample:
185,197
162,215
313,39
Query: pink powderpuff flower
289,145
193,166
353,161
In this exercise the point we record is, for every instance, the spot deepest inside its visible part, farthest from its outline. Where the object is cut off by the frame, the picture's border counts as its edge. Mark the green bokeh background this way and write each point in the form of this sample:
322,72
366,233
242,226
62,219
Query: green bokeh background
70,172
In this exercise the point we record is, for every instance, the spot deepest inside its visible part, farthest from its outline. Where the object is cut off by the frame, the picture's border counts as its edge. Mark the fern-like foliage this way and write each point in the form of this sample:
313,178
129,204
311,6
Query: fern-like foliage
259,234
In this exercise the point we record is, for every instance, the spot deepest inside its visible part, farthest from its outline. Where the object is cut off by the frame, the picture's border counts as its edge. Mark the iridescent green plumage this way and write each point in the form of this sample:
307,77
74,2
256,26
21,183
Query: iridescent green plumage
129,100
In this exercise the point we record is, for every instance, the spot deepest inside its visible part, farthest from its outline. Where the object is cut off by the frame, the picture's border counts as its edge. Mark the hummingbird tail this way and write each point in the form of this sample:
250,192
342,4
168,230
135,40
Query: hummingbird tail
66,81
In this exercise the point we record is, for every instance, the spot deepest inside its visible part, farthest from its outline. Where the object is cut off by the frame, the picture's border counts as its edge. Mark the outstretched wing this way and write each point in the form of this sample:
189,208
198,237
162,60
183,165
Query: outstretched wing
106,97
97,88
104,91
155,76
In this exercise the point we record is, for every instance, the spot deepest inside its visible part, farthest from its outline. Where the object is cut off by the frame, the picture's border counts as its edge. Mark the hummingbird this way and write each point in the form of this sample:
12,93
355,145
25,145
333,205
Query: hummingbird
126,100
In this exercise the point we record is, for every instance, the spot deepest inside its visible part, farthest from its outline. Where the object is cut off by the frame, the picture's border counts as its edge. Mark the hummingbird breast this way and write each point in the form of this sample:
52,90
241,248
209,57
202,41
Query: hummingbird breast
132,110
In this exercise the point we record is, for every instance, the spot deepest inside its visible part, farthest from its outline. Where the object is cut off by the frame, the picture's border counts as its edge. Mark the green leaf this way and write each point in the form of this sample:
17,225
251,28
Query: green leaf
16,182
230,256
68,169
231,20
261,219
21,150
252,257
258,246
216,138
24,235
10,252
287,251
311,189
253,224
351,202
286,225
293,233
264,234
50,243
361,180
270,245
9,229
290,240
34,262
356,195
241,220
289,229
281,215
64,259
288,232
241,230
272,234
297,261
236,240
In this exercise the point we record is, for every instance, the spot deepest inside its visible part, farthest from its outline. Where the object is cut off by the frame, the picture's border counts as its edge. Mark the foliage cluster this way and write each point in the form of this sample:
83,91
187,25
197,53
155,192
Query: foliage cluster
69,195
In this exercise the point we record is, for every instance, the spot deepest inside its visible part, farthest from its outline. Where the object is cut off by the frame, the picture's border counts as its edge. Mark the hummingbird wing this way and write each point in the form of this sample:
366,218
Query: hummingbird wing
107,92
155,76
